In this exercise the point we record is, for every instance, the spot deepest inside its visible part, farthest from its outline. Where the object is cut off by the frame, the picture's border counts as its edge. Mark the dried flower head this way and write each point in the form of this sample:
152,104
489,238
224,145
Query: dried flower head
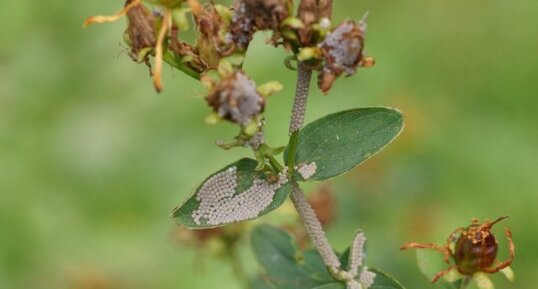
252,15
236,99
342,52
473,249
141,32
212,22
324,204
311,12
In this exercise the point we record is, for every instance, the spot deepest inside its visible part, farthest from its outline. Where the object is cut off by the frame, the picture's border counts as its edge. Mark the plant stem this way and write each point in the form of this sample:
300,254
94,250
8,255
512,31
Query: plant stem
292,151
314,228
306,213
464,283
274,163
174,61
304,74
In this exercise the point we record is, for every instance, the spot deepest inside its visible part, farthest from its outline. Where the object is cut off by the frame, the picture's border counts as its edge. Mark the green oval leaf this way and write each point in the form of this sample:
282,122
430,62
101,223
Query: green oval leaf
384,281
285,267
236,193
341,141
431,262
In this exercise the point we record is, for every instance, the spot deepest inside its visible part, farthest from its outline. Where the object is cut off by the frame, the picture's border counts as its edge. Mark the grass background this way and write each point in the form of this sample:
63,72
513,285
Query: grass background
92,160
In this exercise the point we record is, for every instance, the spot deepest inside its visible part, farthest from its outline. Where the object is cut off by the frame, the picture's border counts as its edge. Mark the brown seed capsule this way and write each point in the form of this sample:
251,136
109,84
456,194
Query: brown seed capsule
475,249
236,99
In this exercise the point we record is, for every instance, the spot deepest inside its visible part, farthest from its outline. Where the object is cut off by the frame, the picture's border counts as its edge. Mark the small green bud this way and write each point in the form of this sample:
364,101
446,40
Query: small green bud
224,12
482,281
251,128
309,53
293,22
269,88
225,68
213,118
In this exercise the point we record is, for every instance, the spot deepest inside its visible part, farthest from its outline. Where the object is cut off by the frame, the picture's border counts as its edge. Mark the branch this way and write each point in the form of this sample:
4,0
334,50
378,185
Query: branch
306,213
304,73
314,228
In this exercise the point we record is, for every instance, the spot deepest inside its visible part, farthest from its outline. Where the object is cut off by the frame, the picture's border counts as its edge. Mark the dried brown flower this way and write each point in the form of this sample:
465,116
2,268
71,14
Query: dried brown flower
322,201
252,15
211,42
141,32
342,52
236,99
474,249
311,12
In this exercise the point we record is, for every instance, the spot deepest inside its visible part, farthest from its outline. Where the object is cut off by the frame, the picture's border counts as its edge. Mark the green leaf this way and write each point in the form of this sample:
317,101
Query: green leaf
283,265
384,281
430,262
261,283
245,175
335,285
339,142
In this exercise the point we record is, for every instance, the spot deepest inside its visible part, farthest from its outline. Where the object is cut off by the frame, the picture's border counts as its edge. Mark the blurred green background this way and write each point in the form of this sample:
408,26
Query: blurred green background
92,160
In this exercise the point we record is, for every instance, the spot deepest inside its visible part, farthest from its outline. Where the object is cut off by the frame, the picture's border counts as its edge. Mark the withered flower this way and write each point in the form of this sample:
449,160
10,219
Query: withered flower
342,52
473,250
211,42
323,203
252,15
236,99
311,12
141,32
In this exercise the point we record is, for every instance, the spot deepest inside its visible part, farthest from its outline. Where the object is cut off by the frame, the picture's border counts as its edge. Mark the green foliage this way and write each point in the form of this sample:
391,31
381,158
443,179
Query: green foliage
286,267
341,141
246,174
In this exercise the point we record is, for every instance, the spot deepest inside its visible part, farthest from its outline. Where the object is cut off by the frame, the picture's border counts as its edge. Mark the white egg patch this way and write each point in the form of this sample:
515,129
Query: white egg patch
220,204
307,170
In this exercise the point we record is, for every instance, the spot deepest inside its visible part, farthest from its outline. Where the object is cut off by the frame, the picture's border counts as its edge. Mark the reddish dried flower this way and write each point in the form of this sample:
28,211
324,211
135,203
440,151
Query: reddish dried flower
252,15
236,99
322,201
342,52
475,249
